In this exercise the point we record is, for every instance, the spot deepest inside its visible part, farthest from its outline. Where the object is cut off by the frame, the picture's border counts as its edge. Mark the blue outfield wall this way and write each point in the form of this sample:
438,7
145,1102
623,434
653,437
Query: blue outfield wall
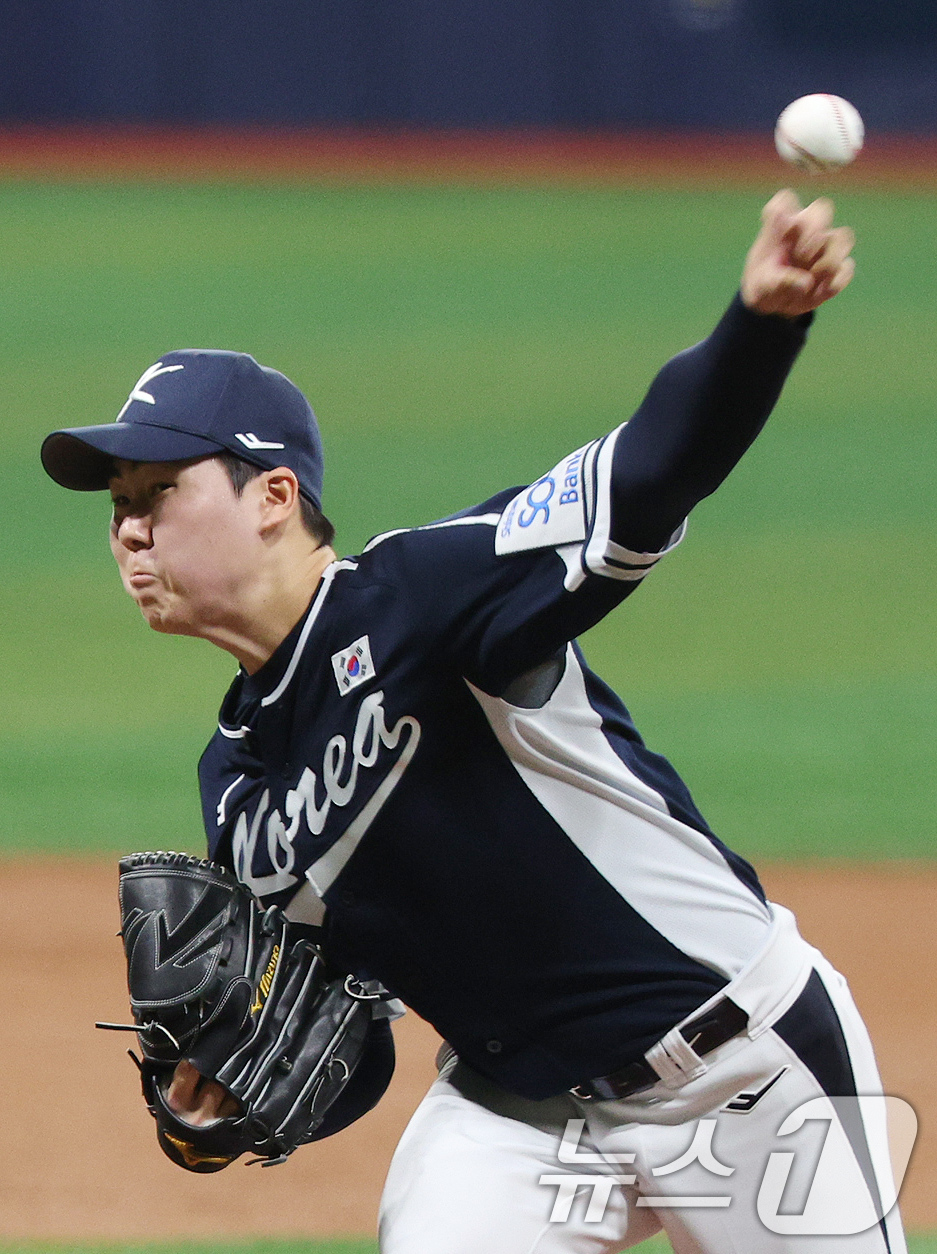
650,64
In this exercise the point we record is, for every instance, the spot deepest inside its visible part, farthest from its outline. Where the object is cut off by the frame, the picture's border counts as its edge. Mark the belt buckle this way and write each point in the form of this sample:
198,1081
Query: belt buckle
726,1015
577,1091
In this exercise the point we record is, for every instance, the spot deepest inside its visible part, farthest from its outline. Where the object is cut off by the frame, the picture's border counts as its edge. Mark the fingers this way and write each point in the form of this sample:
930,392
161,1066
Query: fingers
780,211
835,282
196,1099
831,252
218,1102
807,234
799,259
183,1089
821,252
786,292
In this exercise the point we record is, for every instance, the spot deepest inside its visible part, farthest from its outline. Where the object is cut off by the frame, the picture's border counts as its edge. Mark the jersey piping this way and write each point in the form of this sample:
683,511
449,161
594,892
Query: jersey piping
624,828
490,520
330,572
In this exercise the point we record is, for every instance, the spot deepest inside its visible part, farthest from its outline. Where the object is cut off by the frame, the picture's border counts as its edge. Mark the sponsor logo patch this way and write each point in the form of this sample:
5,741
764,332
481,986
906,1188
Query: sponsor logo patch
352,666
550,512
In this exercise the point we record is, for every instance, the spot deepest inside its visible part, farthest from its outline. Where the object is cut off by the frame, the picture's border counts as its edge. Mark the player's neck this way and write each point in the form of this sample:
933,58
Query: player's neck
271,609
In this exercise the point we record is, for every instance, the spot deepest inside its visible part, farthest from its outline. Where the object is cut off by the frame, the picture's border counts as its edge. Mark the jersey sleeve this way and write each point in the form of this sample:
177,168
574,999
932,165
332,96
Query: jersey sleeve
621,502
570,546
570,510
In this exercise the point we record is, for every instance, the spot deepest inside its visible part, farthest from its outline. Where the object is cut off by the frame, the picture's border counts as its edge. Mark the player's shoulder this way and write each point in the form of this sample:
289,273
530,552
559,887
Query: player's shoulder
469,529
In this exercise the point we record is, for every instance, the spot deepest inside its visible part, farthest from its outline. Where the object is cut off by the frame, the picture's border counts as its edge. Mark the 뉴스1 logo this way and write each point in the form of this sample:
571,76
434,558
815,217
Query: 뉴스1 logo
835,1193
352,666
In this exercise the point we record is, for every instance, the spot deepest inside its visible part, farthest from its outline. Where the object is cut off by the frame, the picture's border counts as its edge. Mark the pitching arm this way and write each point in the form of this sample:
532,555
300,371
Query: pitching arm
704,409
709,403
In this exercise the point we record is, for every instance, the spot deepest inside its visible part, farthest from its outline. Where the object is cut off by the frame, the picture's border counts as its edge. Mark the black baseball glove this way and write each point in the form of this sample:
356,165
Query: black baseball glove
247,997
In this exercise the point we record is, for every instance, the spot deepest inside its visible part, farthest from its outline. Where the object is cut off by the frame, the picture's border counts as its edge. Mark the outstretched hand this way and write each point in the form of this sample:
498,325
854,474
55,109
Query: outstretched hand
799,259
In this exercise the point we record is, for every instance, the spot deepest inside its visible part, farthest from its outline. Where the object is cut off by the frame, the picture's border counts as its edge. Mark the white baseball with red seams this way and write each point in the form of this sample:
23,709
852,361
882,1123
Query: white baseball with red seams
819,132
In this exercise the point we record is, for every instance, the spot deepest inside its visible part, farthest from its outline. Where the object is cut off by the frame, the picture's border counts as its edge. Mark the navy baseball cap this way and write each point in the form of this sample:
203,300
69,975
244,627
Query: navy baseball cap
192,403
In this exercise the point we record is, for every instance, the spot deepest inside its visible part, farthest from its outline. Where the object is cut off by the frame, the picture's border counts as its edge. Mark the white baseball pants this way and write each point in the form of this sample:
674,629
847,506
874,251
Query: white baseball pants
774,1143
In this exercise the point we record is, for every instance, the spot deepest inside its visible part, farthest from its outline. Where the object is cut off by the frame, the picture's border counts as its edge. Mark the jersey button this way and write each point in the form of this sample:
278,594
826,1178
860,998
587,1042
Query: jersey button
348,897
493,1047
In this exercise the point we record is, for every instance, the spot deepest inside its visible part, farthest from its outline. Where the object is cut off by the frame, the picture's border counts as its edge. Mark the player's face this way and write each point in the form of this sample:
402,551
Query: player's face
184,541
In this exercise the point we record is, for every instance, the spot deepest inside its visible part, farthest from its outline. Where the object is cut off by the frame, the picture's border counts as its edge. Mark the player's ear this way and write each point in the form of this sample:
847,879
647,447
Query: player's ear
280,496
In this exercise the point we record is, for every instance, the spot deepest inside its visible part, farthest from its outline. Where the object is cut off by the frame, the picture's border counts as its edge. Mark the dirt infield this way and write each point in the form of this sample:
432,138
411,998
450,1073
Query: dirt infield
478,157
79,1159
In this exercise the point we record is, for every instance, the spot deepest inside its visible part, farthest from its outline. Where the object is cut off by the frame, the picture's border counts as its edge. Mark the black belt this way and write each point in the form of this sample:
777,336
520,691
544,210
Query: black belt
703,1034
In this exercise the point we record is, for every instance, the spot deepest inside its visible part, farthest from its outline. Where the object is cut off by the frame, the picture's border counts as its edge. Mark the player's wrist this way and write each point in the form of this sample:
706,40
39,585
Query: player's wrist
751,306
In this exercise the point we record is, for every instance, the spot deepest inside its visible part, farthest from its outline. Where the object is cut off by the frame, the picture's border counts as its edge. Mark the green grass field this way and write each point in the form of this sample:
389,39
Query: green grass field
917,1244
455,341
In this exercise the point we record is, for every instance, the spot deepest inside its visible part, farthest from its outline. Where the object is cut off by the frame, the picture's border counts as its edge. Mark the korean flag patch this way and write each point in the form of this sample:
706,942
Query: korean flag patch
353,665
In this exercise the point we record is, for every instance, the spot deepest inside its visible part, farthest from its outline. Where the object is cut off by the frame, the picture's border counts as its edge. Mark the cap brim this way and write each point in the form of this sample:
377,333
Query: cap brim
82,458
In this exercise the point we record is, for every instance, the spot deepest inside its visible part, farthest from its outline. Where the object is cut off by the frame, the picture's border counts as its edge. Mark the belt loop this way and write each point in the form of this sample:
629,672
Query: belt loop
675,1061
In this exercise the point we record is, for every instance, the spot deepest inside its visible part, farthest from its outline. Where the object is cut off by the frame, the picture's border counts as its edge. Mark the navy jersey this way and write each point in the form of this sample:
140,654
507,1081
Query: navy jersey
510,860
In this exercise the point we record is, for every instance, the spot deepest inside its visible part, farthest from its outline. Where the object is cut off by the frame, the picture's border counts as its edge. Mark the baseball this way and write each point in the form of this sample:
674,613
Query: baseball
819,132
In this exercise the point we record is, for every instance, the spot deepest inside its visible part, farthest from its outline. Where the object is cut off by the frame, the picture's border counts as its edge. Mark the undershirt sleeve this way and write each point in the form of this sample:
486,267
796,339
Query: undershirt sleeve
609,510
702,412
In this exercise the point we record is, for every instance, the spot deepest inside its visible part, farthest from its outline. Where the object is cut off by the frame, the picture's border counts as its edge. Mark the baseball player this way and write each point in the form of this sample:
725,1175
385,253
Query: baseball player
415,757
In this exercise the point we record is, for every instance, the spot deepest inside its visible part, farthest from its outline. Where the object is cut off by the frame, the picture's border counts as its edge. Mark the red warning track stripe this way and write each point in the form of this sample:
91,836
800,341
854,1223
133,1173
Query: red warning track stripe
500,158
